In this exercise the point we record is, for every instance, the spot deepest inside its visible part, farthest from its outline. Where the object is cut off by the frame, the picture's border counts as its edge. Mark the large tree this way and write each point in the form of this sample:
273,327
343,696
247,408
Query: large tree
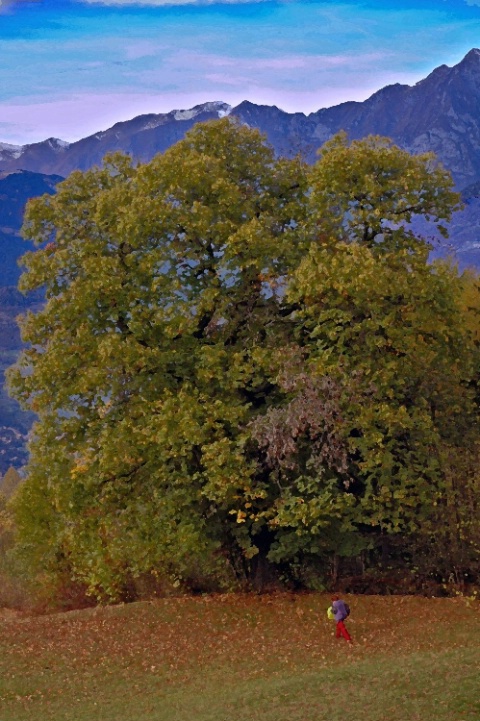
162,299
240,360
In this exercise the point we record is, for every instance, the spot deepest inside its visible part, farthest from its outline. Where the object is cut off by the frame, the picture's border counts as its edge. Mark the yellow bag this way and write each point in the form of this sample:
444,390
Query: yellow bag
330,614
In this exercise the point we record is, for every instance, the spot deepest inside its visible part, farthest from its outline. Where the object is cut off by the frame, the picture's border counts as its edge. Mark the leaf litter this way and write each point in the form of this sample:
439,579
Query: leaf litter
169,642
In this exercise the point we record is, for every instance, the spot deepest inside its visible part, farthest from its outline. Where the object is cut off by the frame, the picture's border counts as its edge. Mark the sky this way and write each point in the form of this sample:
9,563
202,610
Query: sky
70,68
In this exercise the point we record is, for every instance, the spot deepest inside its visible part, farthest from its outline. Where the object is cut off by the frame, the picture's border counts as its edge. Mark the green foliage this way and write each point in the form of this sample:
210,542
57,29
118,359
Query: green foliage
390,323
368,191
241,361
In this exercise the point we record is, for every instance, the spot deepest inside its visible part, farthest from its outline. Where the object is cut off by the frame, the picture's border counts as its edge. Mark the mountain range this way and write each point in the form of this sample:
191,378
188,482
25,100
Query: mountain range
441,113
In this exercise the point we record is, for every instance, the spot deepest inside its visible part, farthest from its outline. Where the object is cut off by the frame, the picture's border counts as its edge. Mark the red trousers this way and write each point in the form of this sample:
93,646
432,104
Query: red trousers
342,631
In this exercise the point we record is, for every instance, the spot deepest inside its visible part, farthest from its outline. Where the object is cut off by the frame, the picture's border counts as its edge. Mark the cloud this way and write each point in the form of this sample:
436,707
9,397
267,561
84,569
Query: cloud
165,3
5,4
313,63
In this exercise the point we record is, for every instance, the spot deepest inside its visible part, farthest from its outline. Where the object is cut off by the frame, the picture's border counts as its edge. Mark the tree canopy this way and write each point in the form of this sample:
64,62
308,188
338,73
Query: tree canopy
244,364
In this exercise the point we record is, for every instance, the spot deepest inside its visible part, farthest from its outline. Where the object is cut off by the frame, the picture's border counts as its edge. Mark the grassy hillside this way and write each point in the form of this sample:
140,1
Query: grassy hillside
214,658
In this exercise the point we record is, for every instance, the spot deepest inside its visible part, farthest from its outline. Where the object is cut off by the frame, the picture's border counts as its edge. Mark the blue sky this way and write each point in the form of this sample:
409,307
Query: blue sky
69,68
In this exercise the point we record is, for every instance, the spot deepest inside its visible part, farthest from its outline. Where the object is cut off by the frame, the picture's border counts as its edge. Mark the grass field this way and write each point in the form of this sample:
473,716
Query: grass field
242,658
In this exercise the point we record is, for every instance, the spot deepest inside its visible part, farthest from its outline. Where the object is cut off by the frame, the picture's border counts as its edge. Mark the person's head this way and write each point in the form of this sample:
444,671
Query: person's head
335,598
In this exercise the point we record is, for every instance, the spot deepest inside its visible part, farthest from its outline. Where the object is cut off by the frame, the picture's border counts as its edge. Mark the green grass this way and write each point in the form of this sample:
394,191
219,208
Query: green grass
244,658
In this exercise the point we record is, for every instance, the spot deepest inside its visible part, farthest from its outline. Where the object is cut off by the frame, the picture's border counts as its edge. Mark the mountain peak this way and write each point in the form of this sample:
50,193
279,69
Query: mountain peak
216,106
469,66
471,58
57,143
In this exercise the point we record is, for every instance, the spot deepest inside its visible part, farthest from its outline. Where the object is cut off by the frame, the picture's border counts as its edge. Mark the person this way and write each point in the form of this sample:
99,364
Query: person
340,612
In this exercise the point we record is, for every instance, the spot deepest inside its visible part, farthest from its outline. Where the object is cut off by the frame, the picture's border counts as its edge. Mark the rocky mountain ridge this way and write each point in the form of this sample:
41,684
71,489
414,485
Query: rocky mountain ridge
439,113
